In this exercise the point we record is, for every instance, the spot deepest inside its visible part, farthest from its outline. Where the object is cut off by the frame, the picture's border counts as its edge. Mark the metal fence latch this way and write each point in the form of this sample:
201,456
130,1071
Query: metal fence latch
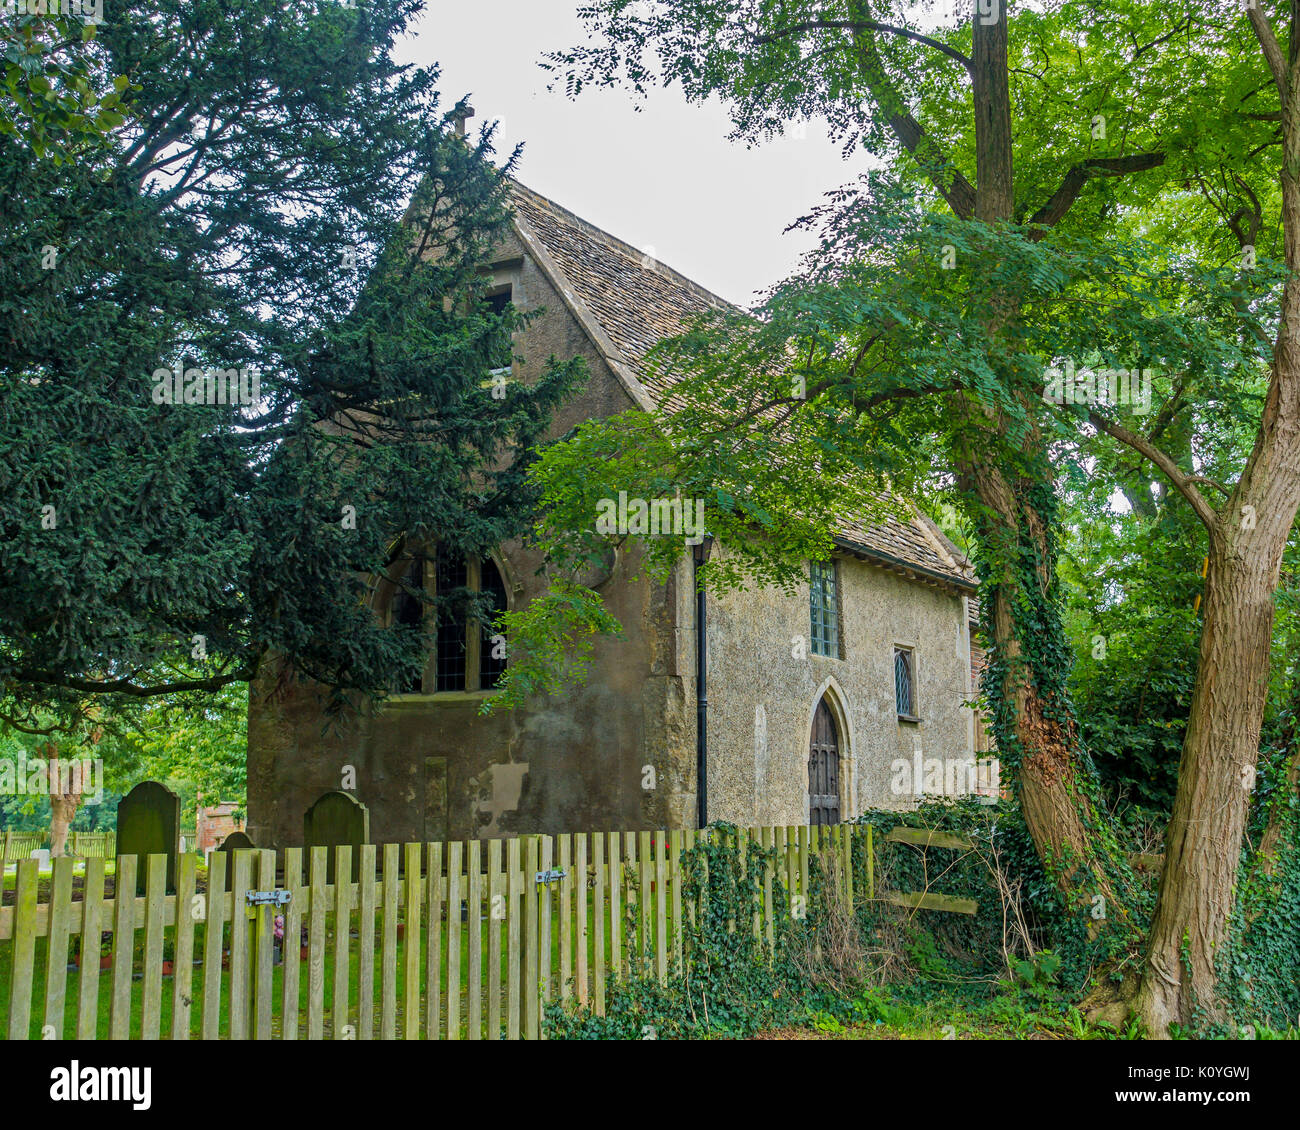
265,898
552,876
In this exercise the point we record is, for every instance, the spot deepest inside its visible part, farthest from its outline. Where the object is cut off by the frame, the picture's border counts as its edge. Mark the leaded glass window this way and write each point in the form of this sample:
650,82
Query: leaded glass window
904,682
825,610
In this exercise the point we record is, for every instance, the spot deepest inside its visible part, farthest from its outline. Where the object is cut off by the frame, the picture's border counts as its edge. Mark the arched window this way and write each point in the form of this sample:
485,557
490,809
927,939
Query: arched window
466,655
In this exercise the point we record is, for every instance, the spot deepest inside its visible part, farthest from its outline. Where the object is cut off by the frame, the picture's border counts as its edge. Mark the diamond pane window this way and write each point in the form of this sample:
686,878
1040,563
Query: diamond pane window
904,683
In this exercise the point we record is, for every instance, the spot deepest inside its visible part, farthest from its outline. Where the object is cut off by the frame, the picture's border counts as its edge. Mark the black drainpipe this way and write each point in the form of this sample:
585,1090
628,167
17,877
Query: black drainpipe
701,693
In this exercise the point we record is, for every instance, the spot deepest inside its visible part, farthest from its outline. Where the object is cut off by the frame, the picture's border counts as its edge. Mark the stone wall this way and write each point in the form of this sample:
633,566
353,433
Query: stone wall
762,698
429,767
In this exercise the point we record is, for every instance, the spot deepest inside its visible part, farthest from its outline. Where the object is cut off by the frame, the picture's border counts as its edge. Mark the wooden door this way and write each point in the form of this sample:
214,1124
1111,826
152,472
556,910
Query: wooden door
823,769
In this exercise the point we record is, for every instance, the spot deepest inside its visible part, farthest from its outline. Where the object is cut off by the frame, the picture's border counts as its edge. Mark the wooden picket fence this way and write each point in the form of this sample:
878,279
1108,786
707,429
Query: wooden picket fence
20,845
436,941
81,845
92,845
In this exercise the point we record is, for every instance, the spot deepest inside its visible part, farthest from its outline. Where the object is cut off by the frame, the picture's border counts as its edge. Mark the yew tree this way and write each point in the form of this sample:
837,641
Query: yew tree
270,206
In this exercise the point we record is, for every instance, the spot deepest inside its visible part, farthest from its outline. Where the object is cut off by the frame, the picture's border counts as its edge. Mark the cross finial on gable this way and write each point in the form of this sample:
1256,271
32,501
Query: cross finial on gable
463,114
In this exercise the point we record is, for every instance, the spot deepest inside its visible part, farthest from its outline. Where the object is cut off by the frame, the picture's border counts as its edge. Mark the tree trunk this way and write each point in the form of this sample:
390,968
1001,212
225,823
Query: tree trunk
1217,772
63,807
1215,779
1012,491
1033,721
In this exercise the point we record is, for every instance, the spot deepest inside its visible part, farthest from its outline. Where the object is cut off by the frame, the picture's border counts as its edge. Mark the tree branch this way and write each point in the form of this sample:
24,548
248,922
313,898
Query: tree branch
857,26
9,720
1209,482
135,690
945,177
1182,482
1055,209
1272,52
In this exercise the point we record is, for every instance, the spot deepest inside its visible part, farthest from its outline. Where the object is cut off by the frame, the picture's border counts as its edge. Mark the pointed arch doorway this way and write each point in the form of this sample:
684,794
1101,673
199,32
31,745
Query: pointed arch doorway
824,768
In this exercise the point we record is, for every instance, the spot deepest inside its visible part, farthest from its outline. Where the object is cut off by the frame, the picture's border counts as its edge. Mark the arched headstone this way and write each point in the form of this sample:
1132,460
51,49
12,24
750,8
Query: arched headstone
149,823
236,841
336,818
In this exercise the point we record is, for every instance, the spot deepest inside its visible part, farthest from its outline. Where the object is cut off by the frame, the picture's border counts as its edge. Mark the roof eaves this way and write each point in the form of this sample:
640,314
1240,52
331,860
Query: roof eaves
708,297
953,582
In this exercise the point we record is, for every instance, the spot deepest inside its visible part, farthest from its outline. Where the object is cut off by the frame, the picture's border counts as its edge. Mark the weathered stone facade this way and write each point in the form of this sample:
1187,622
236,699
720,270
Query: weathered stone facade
761,697
429,767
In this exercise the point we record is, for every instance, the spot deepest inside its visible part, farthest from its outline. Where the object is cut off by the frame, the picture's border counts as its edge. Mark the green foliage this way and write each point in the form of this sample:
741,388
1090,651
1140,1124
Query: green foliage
33,813
1259,969
197,750
1002,867
1133,582
274,209
59,99
1037,973
733,984
551,642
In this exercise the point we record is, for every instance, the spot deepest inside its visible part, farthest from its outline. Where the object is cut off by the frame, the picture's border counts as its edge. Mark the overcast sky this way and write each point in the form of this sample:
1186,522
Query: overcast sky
664,178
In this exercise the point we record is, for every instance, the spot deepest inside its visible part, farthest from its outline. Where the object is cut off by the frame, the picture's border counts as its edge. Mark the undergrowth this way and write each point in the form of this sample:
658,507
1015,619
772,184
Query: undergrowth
1018,967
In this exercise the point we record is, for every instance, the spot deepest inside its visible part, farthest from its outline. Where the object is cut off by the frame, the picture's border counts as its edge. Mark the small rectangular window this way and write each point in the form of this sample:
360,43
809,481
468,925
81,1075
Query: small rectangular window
825,609
502,352
905,682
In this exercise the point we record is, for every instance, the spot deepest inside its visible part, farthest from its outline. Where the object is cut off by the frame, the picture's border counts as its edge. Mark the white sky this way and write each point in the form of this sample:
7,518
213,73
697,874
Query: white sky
664,178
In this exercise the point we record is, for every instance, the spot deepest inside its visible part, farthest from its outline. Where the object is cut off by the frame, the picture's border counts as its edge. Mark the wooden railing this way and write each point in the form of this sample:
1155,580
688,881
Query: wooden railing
437,940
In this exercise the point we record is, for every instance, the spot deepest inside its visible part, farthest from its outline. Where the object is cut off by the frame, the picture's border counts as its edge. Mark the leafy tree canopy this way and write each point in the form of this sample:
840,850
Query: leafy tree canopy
272,210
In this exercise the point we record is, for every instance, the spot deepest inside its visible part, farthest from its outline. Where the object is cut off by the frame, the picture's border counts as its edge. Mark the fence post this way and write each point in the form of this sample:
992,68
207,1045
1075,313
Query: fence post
531,964
871,865
22,974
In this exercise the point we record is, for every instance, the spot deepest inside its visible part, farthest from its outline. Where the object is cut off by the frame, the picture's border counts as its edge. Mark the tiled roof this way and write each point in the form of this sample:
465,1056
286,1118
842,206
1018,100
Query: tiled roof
628,302
636,300
911,544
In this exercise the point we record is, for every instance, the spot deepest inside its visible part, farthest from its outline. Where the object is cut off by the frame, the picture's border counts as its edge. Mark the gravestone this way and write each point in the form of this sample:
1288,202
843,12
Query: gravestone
149,823
236,841
336,818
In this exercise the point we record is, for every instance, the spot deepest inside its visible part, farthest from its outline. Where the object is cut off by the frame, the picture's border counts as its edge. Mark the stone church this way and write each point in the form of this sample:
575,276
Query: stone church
702,711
